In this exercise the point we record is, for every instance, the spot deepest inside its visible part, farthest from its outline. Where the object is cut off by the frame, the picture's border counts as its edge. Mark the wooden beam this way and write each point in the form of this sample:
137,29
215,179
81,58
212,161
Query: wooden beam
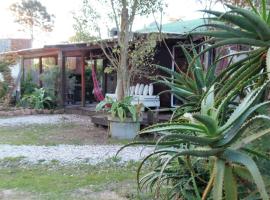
62,66
22,67
40,71
56,60
83,80
105,75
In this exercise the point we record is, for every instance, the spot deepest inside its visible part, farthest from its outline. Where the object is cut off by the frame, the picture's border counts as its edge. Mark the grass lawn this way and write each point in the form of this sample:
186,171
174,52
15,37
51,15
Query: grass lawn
52,181
63,133
106,181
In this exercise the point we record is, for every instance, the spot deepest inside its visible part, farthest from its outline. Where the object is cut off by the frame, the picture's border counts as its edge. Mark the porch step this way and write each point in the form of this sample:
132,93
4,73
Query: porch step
78,110
100,120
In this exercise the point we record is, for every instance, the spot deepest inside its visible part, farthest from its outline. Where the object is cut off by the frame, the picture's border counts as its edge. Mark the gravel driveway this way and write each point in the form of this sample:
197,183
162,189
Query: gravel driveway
42,119
64,154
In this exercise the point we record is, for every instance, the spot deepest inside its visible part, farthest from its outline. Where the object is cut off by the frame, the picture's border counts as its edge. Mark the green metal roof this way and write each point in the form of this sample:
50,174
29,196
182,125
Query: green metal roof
178,27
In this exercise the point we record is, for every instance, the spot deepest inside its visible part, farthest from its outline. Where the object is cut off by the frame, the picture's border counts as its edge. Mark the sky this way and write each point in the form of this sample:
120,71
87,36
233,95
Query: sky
64,9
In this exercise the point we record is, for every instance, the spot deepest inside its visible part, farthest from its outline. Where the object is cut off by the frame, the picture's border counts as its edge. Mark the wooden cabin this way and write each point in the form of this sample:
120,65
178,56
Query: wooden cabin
73,61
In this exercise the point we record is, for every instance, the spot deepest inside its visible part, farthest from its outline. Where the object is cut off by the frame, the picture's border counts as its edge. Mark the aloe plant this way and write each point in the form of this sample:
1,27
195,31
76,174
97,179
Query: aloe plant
189,87
216,136
243,27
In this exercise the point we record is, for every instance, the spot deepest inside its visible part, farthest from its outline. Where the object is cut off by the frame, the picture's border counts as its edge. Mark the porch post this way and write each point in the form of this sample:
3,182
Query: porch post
83,80
62,66
40,71
20,78
22,68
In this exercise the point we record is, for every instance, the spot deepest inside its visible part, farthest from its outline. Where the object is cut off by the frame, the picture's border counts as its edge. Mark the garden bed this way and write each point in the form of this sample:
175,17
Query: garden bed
17,111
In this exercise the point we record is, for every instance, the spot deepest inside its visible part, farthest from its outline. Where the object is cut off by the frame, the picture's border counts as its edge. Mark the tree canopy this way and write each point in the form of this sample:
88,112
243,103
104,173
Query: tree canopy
31,14
118,15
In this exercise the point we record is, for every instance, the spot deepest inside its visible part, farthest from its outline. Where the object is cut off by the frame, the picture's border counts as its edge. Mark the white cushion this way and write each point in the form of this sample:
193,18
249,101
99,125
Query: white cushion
151,89
132,90
145,90
136,92
141,89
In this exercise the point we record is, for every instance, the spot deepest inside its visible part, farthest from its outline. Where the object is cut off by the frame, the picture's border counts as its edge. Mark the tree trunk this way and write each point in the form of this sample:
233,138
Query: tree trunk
122,72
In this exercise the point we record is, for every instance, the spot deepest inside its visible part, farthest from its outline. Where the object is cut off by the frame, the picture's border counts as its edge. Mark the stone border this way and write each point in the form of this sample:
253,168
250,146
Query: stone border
11,111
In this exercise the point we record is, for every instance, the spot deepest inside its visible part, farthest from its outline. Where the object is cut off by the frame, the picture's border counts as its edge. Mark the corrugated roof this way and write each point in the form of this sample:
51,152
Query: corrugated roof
177,27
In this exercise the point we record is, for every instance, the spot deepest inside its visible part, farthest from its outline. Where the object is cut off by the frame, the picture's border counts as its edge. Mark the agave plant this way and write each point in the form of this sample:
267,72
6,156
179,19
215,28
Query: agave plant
189,87
243,27
217,137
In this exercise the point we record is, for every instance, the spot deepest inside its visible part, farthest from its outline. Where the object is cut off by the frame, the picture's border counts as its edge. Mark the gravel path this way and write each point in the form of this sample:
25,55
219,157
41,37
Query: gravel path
67,154
41,119
64,154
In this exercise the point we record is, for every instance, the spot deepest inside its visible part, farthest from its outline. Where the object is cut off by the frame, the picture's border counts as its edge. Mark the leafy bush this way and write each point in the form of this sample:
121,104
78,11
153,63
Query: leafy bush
121,109
3,89
52,82
39,99
27,85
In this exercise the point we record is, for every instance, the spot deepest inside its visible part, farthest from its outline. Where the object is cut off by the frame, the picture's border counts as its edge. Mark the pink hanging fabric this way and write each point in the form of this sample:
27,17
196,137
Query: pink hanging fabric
97,90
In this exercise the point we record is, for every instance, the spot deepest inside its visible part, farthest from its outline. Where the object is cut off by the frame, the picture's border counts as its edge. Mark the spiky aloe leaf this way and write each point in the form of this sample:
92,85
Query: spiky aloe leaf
219,170
243,107
242,172
233,31
208,102
236,40
245,160
250,138
268,63
236,131
233,19
230,186
209,123
261,27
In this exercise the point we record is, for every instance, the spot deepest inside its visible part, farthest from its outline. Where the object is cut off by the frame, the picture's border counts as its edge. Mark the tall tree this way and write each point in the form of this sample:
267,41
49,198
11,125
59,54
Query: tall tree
120,14
31,14
82,34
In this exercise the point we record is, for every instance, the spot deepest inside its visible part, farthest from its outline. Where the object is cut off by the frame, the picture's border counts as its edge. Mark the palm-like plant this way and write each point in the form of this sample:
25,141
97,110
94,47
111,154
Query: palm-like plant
243,27
222,145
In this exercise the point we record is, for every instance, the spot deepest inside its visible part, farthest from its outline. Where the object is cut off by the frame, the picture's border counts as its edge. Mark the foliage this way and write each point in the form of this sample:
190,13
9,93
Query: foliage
32,14
82,33
27,85
215,135
51,80
3,89
38,99
5,71
122,15
243,27
121,109
188,86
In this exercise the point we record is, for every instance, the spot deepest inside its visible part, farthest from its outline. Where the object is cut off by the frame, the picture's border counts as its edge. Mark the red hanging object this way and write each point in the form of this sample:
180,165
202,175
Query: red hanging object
97,90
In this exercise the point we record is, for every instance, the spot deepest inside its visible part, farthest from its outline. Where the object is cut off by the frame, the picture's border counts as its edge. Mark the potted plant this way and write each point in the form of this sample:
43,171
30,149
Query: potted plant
124,119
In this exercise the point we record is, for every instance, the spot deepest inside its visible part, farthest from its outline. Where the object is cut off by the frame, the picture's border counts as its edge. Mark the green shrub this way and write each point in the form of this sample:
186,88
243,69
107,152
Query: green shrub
121,109
27,85
39,99
3,89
